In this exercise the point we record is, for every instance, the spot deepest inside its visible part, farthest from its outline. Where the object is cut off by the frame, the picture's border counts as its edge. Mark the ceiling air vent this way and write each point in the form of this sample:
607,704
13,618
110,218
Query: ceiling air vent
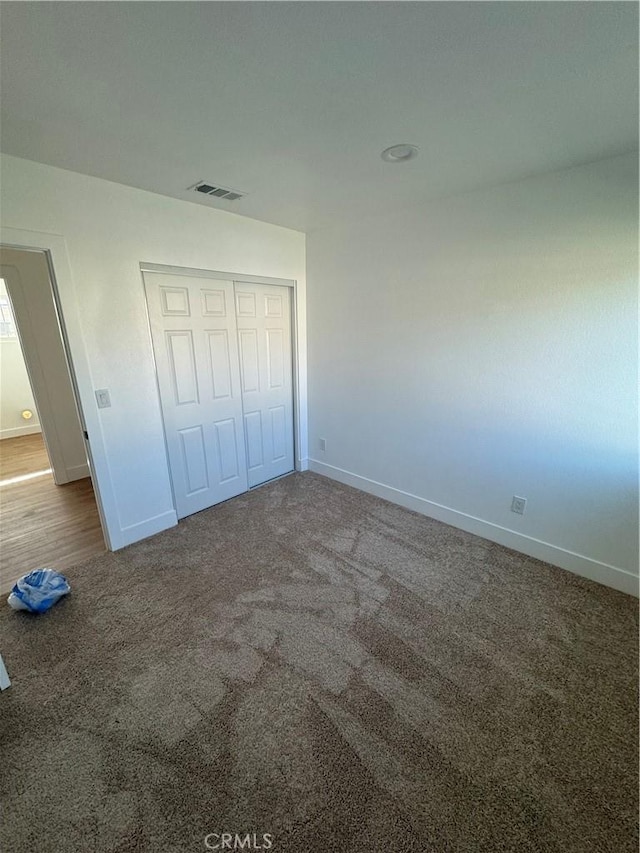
216,191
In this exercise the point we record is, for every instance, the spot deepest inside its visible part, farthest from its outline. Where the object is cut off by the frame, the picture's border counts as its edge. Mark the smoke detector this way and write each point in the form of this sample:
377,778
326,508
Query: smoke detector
399,153
216,191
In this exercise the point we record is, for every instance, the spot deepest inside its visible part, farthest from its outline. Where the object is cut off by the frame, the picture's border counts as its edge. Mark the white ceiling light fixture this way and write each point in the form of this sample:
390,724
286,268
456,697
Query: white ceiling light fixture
400,153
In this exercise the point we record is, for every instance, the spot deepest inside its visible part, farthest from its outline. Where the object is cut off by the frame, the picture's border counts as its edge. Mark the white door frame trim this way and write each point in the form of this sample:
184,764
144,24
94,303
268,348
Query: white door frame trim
65,299
300,464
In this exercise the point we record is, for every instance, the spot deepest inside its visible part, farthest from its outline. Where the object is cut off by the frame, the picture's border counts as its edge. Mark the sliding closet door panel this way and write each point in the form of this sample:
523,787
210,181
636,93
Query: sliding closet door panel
195,343
263,315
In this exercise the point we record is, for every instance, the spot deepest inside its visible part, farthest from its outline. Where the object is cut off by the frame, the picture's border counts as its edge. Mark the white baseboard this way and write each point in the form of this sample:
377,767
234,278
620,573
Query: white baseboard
594,570
303,465
14,432
144,529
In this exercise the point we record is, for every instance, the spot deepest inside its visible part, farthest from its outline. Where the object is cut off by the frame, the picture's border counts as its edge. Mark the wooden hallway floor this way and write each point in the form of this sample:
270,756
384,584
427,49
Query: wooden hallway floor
42,525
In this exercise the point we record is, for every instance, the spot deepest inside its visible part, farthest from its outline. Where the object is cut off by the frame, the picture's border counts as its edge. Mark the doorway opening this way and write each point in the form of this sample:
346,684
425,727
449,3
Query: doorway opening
48,511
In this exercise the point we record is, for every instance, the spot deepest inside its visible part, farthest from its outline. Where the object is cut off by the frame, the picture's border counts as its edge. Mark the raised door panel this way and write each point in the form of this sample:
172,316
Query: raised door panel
254,439
175,302
273,306
276,359
227,451
246,304
182,366
220,364
279,433
249,361
214,302
194,459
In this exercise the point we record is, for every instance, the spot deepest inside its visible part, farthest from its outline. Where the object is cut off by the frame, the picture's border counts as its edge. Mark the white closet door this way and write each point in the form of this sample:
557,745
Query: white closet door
263,315
196,349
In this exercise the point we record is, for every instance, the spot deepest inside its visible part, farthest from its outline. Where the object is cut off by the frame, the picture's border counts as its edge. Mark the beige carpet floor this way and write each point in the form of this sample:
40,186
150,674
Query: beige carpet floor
315,664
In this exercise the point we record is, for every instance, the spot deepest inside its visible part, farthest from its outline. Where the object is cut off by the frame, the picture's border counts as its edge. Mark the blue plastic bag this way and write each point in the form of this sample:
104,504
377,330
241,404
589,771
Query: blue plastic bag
38,591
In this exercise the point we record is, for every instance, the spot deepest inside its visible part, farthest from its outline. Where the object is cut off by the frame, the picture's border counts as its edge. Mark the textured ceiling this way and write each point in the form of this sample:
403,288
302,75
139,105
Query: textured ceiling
292,103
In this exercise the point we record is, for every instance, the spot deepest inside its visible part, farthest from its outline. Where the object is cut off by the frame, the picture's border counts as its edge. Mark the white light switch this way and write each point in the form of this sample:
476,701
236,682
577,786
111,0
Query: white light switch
103,399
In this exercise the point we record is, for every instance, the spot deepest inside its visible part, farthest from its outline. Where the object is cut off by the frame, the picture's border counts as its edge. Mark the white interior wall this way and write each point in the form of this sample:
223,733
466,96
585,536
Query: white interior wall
15,390
99,233
485,346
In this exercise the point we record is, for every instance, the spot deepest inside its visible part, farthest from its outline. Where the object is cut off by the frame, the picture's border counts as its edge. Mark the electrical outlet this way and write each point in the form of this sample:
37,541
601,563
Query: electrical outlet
322,444
518,505
103,399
